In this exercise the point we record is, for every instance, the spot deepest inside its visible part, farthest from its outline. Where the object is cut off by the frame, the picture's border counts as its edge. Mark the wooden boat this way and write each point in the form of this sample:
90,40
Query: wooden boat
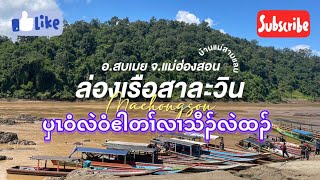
240,151
297,134
204,162
202,168
233,154
43,171
240,166
201,158
124,172
261,147
34,171
173,168
226,158
289,125
289,144
291,148
162,168
186,159
279,152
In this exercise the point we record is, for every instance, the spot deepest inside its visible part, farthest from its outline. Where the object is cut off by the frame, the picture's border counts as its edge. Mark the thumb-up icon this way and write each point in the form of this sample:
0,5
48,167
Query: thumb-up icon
25,24
15,25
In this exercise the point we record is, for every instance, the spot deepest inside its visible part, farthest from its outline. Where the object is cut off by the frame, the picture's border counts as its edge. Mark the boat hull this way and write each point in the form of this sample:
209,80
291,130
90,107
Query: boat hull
125,172
41,172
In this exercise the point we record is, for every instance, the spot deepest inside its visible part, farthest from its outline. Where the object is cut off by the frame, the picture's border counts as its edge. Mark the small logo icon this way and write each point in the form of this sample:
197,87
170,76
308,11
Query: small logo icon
24,24
38,24
283,23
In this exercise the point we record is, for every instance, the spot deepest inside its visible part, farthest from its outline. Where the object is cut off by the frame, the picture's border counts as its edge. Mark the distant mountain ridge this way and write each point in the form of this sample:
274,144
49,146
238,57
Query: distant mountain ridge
43,68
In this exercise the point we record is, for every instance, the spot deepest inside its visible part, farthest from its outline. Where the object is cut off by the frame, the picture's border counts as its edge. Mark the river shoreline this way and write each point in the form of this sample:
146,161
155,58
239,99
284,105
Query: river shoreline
62,144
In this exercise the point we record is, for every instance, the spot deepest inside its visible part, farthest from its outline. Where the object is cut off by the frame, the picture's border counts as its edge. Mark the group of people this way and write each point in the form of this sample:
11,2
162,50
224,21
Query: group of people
305,150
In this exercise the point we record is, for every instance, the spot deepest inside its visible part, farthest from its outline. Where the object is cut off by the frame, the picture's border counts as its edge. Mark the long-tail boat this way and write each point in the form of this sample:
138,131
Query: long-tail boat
297,130
98,159
212,147
44,171
179,159
162,168
297,134
202,168
123,172
227,158
234,154
251,144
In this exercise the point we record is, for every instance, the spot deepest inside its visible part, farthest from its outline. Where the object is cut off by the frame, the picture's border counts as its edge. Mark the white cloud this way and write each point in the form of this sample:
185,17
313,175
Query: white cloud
187,17
300,46
8,9
222,31
209,21
304,46
316,52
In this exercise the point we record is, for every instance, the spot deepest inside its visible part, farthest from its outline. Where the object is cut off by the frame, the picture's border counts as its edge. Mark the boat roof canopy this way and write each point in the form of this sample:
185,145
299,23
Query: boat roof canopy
184,135
199,135
58,158
99,151
176,141
193,142
127,143
130,147
306,133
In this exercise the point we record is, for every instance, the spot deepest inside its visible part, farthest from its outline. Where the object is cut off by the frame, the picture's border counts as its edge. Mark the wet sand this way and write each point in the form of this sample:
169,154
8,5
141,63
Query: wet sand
62,144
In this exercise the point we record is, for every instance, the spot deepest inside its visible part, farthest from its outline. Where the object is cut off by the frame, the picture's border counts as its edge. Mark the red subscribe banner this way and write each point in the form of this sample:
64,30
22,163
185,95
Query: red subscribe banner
283,23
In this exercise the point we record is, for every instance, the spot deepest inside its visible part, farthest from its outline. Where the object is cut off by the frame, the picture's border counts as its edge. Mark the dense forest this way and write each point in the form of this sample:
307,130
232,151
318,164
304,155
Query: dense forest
51,68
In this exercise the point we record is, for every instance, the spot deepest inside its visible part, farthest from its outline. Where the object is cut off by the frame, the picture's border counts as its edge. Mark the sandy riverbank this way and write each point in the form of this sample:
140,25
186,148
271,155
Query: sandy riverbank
62,144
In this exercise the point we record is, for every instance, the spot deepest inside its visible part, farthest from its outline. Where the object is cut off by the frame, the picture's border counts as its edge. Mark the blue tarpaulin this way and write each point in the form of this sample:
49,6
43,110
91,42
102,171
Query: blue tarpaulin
99,151
306,133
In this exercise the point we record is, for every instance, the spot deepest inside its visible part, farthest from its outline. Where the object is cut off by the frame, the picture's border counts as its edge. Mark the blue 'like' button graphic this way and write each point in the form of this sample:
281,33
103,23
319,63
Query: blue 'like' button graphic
15,25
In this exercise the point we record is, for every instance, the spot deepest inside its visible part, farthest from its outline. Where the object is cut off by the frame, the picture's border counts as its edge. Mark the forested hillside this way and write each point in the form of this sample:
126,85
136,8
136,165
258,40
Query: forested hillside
51,68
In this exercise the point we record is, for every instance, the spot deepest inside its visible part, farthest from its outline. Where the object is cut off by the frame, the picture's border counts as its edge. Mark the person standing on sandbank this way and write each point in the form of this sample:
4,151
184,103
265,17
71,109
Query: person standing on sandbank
307,150
317,147
222,144
303,150
284,149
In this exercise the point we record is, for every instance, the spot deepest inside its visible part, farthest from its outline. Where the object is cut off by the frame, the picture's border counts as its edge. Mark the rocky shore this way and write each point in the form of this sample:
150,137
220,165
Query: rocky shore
22,118
12,138
3,157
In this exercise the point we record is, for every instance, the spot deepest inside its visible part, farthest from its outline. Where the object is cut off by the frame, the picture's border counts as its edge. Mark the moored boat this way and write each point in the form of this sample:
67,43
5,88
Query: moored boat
297,134
162,168
252,145
124,172
226,158
203,168
34,171
44,171
238,155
